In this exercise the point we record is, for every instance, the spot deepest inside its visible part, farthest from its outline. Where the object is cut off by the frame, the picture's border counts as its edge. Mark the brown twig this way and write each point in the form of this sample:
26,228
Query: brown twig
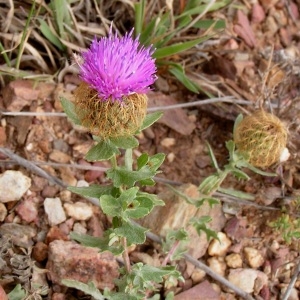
292,283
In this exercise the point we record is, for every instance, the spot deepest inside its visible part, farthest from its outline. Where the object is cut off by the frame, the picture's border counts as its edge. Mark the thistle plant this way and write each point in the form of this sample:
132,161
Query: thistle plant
111,103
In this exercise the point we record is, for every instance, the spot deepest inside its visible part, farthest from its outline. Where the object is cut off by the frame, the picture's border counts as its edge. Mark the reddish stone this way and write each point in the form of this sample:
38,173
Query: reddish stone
28,210
68,260
55,234
40,251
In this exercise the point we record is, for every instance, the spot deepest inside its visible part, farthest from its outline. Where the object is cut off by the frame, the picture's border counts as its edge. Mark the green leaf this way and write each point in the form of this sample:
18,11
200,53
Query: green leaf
86,240
258,171
152,197
103,150
237,121
150,119
122,176
155,161
210,184
142,160
212,157
146,35
237,194
111,206
200,226
134,234
206,24
177,48
139,9
154,274
49,35
18,293
239,174
200,8
139,209
178,71
104,244
210,200
118,207
69,109
93,191
125,142
89,289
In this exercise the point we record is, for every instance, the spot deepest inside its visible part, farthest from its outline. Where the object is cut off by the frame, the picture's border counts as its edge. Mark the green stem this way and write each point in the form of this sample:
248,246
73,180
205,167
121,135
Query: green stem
128,159
113,161
23,38
126,255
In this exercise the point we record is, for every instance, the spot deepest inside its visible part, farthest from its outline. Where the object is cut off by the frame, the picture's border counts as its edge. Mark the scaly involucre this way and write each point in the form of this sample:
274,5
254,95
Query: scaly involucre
117,67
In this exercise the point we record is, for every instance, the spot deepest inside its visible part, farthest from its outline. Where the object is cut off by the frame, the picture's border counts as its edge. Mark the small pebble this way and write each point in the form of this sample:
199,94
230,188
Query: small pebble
15,184
54,211
234,260
219,247
79,210
3,212
217,264
253,257
168,142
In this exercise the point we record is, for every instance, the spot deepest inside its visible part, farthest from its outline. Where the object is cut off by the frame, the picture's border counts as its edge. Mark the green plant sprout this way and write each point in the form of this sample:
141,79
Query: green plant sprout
163,28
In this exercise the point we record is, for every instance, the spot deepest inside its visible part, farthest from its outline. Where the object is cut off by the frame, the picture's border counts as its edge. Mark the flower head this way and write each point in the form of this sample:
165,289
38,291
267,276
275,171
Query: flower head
117,67
262,137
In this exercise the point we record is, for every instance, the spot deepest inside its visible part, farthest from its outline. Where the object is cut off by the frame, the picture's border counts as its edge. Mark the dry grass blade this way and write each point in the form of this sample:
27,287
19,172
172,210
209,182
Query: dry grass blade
8,16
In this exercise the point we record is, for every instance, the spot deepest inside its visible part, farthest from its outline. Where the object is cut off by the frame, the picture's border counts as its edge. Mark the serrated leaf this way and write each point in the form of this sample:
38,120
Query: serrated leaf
118,207
18,293
210,200
154,274
125,142
94,190
111,206
103,150
200,226
89,289
134,234
122,176
150,119
69,109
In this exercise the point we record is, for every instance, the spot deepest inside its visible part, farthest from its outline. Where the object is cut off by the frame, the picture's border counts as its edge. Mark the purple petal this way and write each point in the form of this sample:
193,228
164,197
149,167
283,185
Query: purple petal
118,67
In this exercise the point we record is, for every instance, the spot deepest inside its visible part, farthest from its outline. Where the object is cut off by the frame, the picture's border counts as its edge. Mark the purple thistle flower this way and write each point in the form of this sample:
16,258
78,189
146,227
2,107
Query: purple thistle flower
117,67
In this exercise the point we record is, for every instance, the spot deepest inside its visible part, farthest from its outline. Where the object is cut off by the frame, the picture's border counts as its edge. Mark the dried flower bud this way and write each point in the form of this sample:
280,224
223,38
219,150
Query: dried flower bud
262,137
109,118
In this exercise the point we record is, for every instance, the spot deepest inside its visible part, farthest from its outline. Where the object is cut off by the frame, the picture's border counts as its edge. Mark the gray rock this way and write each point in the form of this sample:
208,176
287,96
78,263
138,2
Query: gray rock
21,235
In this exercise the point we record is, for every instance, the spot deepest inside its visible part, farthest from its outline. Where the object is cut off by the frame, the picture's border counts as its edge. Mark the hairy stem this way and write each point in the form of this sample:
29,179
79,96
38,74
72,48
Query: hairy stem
125,255
170,253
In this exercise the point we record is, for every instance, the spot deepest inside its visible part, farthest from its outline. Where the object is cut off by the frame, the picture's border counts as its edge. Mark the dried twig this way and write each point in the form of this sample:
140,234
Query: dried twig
292,283
228,99
32,167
